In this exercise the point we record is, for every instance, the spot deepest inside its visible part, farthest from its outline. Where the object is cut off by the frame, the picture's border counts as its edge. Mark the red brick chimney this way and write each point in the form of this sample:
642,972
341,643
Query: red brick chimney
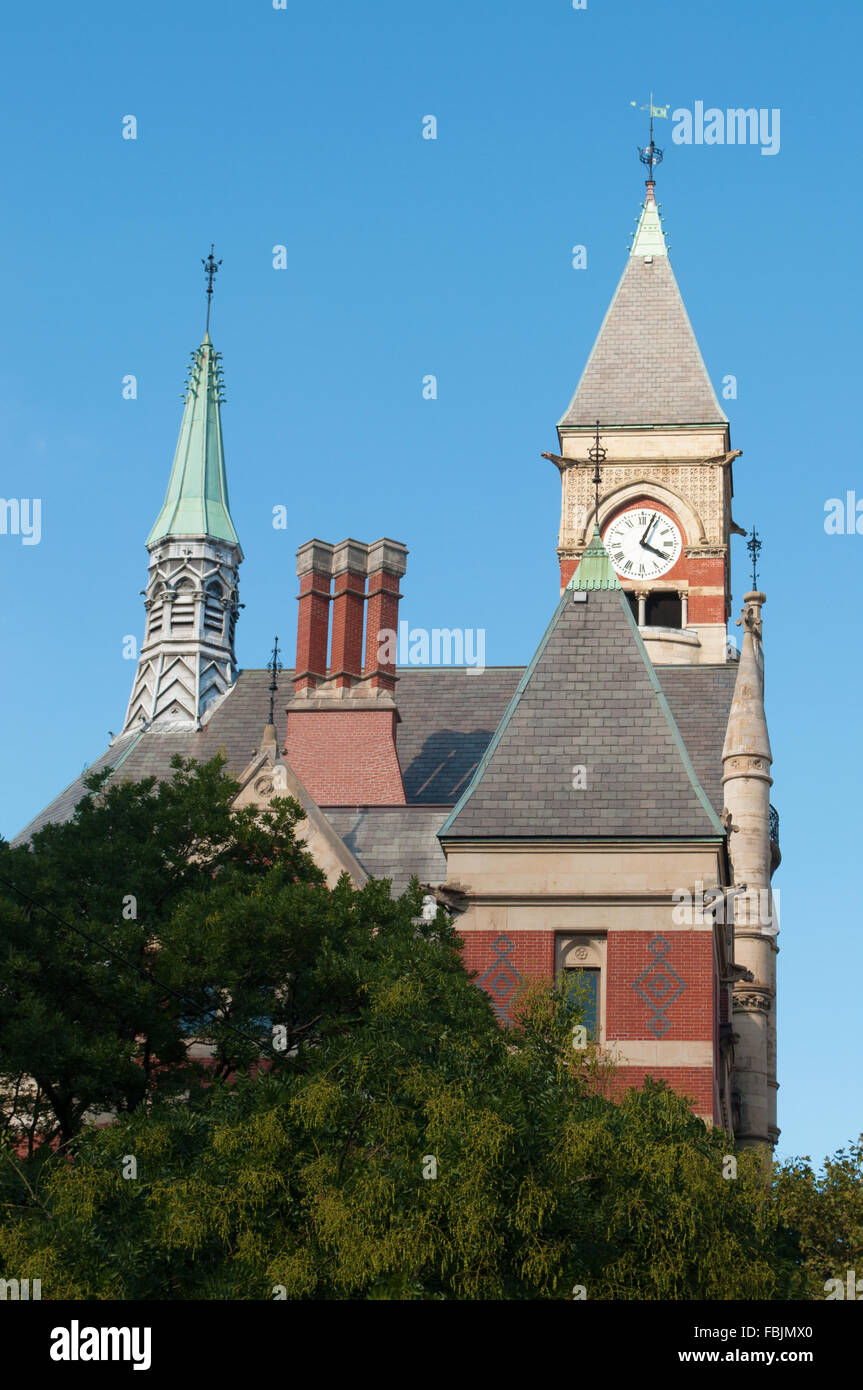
314,566
341,736
349,595
387,563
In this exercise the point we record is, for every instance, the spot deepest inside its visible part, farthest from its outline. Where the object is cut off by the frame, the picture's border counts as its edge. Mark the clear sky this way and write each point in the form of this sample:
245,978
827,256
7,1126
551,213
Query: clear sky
302,127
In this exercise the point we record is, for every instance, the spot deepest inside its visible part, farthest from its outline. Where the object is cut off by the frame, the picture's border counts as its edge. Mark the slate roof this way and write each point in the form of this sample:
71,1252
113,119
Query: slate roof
590,698
646,367
394,841
448,719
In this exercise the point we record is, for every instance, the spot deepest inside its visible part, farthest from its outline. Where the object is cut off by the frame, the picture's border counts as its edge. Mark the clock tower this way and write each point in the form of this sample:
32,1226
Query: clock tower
666,489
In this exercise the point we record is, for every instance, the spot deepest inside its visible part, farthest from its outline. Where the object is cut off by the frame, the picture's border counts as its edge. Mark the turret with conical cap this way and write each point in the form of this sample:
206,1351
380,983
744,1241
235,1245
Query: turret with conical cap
746,762
187,657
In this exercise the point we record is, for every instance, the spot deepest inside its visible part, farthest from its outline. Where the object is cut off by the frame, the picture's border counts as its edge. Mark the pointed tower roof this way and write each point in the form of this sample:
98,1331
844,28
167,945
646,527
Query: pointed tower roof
196,503
589,699
595,570
645,367
746,734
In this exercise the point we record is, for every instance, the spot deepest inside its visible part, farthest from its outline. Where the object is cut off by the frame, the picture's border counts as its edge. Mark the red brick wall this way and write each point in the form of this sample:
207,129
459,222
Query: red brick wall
532,954
346,757
502,960
707,608
696,1082
689,1015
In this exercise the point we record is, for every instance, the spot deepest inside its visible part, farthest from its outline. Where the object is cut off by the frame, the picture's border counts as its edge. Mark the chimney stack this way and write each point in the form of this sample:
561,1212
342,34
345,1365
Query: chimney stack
341,730
350,559
314,567
387,563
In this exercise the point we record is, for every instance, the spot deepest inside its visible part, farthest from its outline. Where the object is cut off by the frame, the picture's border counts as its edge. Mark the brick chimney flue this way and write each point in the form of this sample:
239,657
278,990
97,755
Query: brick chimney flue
386,564
350,560
314,568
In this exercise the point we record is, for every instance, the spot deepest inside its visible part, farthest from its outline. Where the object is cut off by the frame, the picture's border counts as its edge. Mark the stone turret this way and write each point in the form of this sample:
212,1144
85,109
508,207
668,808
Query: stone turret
747,760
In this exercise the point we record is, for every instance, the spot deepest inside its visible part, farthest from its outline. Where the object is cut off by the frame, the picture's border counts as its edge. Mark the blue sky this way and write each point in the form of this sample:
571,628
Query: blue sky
302,127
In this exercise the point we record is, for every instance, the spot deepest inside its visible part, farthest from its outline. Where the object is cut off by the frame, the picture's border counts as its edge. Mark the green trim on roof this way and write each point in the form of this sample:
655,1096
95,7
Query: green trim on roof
595,570
649,236
196,503
670,721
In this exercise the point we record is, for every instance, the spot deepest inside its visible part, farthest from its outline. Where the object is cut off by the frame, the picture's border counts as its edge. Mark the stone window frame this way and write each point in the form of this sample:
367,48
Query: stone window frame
585,950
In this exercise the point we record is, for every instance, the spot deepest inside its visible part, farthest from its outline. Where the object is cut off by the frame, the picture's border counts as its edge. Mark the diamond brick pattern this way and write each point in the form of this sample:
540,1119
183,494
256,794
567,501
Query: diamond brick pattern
659,985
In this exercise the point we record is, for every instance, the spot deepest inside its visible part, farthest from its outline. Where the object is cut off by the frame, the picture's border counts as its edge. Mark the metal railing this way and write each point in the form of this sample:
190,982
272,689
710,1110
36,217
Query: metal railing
774,825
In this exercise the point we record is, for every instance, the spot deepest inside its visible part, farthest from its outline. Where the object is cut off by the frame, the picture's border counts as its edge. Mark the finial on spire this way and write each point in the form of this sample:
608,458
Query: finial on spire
753,545
211,270
651,154
274,667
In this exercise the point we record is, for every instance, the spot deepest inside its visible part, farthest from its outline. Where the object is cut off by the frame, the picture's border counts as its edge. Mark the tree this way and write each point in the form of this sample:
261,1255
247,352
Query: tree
825,1211
399,1144
109,959
412,1149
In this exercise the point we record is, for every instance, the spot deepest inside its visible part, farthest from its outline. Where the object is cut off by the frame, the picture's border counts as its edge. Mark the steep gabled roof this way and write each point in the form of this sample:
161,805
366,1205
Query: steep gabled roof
646,367
590,699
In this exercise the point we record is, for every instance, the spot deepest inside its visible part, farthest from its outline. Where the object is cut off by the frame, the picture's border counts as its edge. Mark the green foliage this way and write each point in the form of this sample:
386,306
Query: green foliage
825,1210
401,1146
92,1034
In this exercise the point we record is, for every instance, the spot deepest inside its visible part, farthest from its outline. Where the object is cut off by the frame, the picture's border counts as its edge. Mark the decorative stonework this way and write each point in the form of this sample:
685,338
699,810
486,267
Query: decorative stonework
187,657
701,487
758,1001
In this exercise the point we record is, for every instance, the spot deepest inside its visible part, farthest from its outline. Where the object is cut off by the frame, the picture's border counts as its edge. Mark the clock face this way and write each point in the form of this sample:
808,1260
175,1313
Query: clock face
642,543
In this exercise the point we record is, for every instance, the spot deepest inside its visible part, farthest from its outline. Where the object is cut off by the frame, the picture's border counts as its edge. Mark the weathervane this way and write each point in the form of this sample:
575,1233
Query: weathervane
753,545
211,270
274,668
596,456
651,154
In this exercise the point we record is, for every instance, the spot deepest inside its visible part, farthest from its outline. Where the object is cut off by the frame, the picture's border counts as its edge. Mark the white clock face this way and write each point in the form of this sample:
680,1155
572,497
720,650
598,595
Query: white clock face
642,543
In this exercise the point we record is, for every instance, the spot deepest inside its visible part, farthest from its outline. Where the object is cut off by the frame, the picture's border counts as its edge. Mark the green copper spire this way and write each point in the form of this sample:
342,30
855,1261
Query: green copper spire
649,236
595,570
196,503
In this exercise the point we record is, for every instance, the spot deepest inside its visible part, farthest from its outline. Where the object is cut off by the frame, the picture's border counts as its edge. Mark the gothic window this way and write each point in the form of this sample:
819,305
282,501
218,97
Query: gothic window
663,609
